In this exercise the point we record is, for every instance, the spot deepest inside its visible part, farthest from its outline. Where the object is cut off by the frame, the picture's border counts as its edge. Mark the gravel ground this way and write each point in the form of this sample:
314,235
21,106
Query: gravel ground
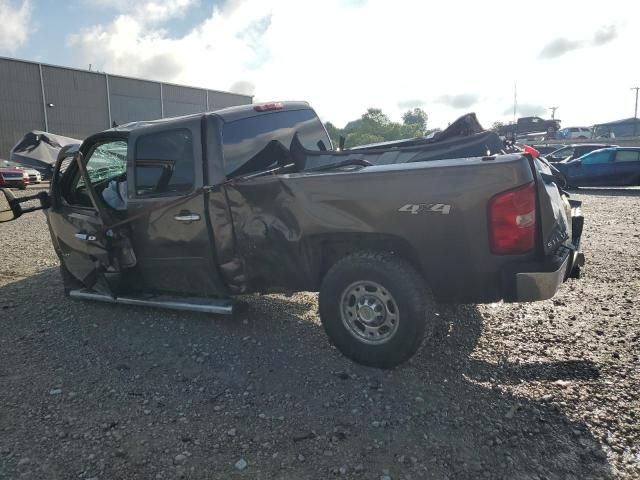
533,391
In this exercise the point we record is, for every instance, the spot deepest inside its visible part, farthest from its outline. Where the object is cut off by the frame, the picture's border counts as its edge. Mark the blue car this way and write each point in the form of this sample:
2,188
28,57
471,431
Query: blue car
607,167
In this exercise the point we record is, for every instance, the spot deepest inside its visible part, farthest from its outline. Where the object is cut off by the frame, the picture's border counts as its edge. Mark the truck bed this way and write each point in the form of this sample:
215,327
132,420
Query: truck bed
434,211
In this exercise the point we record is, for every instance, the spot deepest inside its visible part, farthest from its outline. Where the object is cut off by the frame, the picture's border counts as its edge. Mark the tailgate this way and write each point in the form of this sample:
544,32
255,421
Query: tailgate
556,212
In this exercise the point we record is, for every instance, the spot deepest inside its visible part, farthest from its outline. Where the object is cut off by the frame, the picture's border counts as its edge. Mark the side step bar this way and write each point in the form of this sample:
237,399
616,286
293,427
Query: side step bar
203,305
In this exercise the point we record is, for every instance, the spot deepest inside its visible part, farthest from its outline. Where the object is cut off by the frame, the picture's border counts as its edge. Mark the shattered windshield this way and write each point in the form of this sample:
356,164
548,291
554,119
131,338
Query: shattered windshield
107,161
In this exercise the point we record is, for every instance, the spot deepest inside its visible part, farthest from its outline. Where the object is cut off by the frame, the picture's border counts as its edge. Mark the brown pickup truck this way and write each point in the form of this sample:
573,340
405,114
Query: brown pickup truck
187,212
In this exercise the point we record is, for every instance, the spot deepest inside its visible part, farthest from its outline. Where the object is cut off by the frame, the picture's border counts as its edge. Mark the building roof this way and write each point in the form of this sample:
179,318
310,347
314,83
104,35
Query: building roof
96,72
624,121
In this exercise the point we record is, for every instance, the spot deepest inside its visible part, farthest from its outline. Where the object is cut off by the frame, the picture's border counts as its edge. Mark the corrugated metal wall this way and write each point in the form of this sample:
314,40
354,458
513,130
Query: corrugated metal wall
223,99
79,101
21,107
133,100
80,105
182,101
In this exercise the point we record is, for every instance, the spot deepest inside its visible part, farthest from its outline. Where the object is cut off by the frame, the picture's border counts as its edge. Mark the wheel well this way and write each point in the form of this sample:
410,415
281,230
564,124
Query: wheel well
334,248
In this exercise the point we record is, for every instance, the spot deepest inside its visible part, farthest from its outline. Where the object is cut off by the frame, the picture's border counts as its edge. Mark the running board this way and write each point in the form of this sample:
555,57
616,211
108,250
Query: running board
203,305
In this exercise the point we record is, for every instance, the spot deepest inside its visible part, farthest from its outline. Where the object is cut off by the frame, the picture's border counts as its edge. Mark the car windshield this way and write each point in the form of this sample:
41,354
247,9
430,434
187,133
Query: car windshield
108,161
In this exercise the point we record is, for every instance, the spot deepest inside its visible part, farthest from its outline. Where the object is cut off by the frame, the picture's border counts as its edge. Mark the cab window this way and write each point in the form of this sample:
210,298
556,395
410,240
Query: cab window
164,163
596,158
261,142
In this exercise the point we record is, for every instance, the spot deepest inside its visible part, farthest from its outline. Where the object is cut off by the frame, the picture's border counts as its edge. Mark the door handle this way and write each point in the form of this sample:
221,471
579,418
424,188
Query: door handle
85,237
187,217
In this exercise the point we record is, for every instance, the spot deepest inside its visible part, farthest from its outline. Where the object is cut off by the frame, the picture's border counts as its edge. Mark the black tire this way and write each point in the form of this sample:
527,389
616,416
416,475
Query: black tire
407,288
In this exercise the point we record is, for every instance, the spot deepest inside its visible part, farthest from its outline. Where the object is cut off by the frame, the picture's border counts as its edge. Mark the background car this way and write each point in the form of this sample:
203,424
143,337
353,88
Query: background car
34,175
13,177
547,148
569,152
575,132
607,167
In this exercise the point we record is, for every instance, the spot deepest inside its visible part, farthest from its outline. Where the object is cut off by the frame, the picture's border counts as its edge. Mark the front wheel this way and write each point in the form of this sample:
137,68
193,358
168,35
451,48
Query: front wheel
373,307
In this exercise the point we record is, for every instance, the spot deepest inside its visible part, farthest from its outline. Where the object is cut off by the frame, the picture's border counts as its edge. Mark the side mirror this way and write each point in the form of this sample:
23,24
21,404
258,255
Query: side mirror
8,210
10,207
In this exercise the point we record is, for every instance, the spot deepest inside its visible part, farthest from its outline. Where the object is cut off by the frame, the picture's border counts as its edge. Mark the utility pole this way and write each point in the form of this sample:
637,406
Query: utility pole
553,112
635,113
515,100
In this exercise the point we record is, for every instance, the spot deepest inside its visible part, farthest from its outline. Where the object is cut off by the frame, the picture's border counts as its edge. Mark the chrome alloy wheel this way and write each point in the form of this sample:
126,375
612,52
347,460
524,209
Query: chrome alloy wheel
369,312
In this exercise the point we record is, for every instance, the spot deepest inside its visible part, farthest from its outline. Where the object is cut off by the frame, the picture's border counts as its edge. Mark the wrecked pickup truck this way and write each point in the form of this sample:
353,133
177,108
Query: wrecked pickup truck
187,212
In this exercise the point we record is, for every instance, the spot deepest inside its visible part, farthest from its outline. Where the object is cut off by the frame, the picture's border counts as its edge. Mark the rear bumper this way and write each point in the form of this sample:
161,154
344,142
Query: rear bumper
533,282
532,286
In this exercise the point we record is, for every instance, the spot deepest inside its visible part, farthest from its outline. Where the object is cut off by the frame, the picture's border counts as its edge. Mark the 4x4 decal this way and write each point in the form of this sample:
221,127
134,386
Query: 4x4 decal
416,208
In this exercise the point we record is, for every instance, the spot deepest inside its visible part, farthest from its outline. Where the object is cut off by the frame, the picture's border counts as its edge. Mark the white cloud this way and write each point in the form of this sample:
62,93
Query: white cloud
147,11
345,56
15,24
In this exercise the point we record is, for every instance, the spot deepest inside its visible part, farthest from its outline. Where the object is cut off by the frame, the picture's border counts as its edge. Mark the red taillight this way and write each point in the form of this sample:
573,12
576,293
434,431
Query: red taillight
512,220
268,107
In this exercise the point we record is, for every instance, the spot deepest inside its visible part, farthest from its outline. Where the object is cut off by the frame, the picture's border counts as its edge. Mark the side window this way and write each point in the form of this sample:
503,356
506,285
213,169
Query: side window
596,158
563,152
262,141
627,156
164,163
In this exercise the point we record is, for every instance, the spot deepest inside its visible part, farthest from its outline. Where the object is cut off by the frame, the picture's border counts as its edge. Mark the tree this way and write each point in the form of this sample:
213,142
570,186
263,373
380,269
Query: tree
376,116
355,139
418,117
374,126
334,133
497,126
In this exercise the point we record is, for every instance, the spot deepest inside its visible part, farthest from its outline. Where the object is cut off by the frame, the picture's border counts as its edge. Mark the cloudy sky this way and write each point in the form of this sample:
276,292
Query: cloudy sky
343,56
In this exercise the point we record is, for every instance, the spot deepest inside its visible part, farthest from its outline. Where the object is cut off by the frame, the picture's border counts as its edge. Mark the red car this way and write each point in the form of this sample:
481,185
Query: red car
13,177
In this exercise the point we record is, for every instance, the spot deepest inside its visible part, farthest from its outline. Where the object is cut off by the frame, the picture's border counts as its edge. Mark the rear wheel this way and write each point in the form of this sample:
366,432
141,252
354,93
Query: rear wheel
373,307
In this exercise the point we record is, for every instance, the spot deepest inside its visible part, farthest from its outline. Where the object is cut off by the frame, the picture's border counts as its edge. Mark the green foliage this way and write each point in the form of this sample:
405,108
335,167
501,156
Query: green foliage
417,116
497,126
374,127
334,133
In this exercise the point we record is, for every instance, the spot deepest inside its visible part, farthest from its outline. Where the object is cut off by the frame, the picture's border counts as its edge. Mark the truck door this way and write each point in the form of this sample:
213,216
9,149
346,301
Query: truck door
170,229
77,218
